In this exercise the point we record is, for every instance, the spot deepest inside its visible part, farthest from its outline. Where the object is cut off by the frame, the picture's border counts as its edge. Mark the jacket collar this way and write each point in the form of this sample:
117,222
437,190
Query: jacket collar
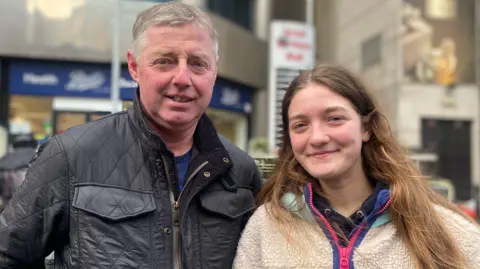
299,205
205,138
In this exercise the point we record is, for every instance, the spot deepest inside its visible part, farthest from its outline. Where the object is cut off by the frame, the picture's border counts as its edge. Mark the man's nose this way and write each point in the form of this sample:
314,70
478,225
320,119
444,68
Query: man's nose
181,78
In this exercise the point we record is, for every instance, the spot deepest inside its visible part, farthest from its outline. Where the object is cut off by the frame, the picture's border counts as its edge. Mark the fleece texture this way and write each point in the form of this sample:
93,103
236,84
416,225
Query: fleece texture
263,246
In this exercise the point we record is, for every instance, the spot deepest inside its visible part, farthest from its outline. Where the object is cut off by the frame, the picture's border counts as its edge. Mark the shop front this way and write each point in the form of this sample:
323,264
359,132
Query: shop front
48,97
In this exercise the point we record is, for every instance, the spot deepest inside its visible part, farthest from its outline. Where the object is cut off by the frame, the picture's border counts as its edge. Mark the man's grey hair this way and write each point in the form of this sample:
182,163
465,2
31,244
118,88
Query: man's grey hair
170,13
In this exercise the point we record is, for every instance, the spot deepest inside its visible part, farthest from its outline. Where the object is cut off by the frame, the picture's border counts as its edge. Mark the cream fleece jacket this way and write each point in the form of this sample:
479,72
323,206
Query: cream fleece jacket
262,246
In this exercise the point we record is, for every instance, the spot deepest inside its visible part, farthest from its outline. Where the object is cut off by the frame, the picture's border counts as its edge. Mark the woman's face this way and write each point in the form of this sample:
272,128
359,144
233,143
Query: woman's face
326,133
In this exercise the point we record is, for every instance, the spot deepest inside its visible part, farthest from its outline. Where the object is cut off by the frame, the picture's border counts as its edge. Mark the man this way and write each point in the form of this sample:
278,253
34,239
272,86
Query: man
150,187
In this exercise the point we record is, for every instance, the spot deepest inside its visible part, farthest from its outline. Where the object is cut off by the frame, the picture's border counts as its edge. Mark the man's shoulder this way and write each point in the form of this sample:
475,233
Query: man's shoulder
239,157
95,134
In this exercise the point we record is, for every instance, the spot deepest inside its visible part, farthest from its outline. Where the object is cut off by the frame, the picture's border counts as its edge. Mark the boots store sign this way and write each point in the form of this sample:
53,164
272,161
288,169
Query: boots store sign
66,79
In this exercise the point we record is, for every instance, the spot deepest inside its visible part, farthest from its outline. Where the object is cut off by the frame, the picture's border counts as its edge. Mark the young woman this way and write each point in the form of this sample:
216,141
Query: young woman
344,195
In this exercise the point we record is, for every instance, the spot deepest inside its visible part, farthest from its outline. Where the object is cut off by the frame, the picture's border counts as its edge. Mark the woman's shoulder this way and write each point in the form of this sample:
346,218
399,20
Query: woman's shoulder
260,216
264,218
465,231
458,223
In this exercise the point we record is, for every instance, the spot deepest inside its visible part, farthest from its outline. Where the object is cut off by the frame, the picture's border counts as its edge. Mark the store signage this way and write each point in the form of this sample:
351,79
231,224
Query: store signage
47,78
292,49
231,96
292,44
66,79
44,79
81,81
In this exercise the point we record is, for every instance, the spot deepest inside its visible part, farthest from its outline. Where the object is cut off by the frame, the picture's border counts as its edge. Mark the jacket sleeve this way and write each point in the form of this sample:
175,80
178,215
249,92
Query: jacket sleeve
249,250
34,223
257,181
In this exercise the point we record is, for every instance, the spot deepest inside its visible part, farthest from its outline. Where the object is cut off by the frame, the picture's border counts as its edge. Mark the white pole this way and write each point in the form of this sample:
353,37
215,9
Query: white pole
309,11
115,69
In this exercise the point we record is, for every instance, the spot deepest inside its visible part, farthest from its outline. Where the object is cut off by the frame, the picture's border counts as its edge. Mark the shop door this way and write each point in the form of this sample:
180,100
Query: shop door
63,120
451,141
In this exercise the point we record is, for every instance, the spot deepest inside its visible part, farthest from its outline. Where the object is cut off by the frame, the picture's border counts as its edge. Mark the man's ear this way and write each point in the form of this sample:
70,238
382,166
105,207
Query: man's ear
132,65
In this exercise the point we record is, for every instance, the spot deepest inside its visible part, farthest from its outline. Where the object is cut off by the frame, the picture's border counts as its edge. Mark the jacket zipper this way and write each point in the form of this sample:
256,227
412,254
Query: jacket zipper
344,252
176,212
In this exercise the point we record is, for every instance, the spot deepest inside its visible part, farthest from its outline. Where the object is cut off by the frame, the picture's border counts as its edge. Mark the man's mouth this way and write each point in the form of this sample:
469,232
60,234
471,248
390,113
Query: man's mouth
180,99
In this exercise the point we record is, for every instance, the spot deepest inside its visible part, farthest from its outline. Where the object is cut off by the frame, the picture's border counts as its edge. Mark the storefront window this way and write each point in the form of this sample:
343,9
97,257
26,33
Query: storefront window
127,104
233,126
31,114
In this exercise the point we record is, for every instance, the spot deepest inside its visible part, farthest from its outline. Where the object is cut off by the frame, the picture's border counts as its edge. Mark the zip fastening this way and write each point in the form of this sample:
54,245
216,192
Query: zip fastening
344,252
176,212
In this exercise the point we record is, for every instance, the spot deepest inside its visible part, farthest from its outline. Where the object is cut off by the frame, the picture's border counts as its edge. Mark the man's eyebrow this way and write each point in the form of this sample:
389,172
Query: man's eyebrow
199,55
165,54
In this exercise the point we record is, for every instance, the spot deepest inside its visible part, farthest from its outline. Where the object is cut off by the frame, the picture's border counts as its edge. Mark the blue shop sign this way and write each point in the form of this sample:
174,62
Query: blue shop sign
66,79
231,96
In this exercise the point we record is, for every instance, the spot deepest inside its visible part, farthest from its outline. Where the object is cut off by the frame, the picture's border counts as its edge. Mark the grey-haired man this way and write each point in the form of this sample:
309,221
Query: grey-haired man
150,187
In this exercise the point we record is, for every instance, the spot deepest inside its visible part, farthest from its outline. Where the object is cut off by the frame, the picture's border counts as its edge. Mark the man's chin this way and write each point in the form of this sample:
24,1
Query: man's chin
179,120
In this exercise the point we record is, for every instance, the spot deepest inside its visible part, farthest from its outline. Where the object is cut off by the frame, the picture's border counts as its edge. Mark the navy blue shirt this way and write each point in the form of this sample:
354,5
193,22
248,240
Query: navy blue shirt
182,166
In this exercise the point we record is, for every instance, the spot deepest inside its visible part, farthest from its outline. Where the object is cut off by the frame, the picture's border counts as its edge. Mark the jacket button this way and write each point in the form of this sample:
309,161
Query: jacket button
157,161
206,174
167,231
225,160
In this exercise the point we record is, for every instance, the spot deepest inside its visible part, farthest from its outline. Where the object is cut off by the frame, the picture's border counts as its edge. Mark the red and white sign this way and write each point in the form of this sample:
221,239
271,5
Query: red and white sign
292,45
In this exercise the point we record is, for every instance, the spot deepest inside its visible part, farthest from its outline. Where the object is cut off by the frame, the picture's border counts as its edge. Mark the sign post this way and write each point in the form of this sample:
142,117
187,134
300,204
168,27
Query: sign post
115,90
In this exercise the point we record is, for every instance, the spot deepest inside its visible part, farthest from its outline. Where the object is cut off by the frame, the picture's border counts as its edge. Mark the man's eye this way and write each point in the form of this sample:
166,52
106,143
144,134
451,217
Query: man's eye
199,64
164,61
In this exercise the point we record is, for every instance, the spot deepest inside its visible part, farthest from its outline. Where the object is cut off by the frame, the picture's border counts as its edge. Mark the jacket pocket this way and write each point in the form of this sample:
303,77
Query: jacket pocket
230,204
111,202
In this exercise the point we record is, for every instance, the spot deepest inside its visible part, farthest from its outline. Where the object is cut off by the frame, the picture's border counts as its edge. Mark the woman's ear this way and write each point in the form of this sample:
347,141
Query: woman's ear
366,136
366,133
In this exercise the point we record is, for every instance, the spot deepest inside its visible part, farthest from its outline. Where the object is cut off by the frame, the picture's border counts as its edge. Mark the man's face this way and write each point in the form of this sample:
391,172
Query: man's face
176,71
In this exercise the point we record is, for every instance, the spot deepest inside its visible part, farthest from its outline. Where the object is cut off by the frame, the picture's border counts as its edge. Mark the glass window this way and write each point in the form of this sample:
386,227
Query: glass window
372,52
30,114
233,126
238,11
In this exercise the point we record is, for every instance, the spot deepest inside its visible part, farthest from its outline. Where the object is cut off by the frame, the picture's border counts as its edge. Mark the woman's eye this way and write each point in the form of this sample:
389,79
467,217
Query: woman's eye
336,118
298,126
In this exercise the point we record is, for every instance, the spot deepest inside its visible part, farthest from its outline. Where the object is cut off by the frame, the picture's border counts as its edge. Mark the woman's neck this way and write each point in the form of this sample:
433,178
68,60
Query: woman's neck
347,194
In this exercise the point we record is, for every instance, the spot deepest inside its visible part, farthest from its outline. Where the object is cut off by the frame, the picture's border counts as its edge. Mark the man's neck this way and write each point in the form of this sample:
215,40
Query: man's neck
179,140
346,195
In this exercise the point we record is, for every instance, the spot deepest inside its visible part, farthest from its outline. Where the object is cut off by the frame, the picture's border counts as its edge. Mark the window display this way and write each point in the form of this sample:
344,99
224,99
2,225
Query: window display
30,115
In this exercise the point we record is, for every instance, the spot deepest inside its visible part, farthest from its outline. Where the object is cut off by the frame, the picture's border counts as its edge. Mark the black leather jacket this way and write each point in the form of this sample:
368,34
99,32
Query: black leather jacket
102,195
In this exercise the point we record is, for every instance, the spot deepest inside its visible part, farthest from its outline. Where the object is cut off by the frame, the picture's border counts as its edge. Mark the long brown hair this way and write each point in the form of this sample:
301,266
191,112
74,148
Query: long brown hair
412,207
